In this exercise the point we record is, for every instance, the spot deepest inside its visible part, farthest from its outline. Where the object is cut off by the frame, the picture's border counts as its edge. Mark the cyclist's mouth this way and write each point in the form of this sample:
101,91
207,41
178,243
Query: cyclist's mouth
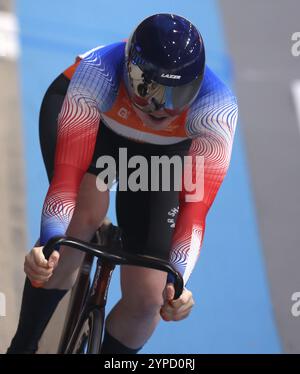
157,119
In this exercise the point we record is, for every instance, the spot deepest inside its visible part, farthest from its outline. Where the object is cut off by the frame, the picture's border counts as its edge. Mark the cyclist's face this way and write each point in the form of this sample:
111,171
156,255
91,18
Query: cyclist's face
150,97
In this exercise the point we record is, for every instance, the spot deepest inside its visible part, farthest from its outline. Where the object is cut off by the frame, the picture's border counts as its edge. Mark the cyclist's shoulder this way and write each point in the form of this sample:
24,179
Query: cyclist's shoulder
213,91
104,62
98,74
109,53
215,100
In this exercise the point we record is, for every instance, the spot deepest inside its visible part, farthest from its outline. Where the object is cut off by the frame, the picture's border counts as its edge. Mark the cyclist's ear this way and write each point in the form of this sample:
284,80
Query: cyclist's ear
53,259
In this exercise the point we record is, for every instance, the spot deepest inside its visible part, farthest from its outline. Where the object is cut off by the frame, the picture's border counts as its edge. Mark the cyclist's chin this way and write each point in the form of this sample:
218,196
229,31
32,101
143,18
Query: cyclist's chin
156,120
157,123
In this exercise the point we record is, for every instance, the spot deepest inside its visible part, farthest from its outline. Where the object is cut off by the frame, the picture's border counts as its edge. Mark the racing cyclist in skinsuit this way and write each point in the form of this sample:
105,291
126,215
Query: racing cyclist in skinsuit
152,96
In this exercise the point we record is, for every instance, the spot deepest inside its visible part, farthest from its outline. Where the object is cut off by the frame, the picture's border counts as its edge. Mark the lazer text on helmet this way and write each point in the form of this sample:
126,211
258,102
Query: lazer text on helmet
171,76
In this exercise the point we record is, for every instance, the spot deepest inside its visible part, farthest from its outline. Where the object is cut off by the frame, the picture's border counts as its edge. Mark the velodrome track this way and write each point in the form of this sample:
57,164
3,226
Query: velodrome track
247,270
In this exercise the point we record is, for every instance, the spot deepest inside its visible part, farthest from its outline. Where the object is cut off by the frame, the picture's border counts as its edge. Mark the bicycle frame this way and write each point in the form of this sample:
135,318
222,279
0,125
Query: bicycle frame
85,298
96,298
78,297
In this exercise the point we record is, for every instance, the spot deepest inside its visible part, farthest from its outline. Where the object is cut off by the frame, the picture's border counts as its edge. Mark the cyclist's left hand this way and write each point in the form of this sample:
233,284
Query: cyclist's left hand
176,310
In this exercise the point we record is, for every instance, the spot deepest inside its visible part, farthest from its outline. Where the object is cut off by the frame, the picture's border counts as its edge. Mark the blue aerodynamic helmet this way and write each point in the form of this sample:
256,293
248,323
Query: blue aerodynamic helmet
165,60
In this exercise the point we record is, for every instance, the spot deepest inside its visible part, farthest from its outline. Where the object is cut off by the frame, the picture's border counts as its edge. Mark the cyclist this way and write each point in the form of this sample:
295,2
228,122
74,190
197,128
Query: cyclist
154,96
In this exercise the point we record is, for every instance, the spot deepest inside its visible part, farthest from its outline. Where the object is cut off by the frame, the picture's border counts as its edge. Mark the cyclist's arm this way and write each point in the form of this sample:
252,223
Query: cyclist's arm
77,130
93,89
214,119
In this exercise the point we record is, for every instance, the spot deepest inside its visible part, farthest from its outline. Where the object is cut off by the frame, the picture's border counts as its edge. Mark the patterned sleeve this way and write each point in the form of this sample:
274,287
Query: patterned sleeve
92,89
211,123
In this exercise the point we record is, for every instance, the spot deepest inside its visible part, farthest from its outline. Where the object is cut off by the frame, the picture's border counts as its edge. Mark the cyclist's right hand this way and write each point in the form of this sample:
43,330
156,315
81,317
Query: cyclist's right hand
37,268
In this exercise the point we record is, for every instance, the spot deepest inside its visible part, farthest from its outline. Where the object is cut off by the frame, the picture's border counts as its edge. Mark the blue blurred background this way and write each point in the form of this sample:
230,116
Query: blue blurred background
234,310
